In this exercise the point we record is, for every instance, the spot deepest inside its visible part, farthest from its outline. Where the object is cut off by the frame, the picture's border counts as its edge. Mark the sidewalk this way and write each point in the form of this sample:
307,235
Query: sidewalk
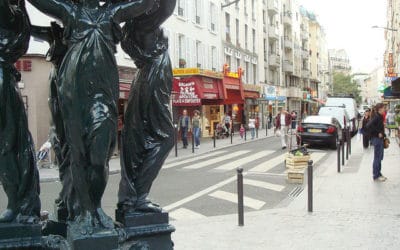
207,145
351,211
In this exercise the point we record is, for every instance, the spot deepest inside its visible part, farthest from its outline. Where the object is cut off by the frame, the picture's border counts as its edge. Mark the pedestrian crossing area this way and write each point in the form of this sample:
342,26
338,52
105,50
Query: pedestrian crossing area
255,164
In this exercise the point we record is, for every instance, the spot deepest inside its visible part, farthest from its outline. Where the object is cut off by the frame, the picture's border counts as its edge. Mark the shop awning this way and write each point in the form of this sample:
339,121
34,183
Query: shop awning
388,94
396,86
251,94
186,92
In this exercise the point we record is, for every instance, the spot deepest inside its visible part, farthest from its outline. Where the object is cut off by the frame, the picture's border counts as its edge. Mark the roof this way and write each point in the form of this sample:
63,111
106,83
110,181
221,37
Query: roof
318,119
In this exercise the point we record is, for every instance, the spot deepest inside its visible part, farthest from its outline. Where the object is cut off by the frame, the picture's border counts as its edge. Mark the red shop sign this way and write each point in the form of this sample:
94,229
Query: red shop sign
186,93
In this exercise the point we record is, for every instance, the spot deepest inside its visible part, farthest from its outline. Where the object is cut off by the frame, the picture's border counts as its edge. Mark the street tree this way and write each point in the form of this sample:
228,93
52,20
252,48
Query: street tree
344,84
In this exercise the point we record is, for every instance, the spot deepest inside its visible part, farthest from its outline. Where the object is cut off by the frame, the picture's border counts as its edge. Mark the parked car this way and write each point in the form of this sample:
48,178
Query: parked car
341,115
320,130
349,103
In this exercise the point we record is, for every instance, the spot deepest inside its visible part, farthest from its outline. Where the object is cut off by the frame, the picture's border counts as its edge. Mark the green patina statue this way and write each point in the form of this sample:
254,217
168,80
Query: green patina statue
148,133
18,172
88,93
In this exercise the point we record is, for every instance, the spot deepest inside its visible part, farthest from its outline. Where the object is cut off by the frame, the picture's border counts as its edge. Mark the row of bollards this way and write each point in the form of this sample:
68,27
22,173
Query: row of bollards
341,149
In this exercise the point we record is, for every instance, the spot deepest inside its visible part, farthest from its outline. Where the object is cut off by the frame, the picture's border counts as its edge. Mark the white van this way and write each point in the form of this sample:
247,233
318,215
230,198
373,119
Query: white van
349,103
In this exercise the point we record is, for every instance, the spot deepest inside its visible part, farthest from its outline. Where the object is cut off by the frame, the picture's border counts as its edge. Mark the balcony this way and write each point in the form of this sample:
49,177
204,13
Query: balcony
273,32
274,60
287,19
288,43
294,92
305,73
273,7
305,53
287,66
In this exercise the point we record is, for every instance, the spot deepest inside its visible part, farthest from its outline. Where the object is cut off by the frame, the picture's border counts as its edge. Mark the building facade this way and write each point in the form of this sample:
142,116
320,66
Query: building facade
340,61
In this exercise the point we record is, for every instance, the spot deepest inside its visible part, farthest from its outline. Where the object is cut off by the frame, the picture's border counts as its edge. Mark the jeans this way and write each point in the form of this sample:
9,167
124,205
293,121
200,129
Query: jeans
378,156
184,132
252,132
196,134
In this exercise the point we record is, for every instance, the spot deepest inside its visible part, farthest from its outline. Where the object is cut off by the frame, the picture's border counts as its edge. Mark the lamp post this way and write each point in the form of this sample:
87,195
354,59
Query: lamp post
385,28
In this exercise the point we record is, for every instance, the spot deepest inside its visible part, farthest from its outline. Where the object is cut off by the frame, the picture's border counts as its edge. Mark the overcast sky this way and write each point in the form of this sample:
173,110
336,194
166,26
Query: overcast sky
348,23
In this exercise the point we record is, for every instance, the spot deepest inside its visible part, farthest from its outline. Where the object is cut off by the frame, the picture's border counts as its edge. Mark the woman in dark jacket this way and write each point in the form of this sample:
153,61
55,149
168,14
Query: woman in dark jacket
376,130
365,120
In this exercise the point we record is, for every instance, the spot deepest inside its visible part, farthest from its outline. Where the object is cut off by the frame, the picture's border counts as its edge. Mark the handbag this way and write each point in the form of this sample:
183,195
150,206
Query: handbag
386,143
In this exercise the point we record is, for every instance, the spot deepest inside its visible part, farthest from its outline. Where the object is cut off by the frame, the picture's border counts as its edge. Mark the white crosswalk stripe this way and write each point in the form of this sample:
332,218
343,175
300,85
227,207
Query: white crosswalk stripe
263,184
197,158
186,214
231,197
234,164
216,160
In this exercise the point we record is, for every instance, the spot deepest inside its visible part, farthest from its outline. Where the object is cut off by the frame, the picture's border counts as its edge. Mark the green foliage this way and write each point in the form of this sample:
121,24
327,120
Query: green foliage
344,84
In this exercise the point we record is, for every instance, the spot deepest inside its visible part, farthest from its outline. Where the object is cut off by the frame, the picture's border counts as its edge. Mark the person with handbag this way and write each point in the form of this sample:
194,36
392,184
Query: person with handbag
376,130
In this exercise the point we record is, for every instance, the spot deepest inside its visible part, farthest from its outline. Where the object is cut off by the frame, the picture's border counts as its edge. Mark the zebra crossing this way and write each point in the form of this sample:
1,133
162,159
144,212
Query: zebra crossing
260,162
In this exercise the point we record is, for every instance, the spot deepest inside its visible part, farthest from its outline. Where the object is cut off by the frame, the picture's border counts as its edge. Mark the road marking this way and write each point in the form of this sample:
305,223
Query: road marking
242,161
270,164
174,164
199,194
216,160
185,214
248,202
262,184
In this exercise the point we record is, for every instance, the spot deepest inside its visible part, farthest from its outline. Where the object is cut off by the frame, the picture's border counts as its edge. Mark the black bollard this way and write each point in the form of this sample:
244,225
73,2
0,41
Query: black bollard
245,133
176,140
257,133
338,156
266,130
240,195
310,185
231,137
343,152
192,142
215,135
347,145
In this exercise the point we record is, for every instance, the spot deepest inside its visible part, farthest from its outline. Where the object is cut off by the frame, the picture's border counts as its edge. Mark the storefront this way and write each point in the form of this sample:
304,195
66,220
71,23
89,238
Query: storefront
234,97
251,96
275,101
202,90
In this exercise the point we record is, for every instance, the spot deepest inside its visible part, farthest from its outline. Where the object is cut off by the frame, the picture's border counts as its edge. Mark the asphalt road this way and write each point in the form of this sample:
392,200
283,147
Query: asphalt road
206,185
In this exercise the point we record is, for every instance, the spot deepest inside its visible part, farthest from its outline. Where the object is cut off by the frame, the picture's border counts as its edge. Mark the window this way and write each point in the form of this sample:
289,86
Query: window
254,40
265,50
197,11
254,74
181,51
246,36
237,33
253,13
245,7
228,61
238,62
181,8
228,27
212,17
198,54
247,73
213,58
264,17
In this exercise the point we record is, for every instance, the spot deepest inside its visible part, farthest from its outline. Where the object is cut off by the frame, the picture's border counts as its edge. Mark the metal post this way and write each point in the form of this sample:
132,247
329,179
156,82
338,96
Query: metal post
343,152
338,156
231,137
347,145
240,195
266,130
310,185
192,142
257,132
245,133
215,135
176,140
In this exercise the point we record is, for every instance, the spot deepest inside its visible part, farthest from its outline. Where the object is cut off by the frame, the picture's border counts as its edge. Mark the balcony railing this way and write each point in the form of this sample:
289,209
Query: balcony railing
273,32
287,66
288,42
274,60
287,19
273,6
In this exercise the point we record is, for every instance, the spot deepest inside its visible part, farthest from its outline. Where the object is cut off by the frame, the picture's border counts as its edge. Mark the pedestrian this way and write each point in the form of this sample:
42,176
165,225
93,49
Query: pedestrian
196,128
241,131
252,127
184,127
376,129
283,121
270,120
364,131
227,121
294,118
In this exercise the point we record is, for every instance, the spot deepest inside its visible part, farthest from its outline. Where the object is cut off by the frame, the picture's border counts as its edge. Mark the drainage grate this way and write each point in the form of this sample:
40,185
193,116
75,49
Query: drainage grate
296,192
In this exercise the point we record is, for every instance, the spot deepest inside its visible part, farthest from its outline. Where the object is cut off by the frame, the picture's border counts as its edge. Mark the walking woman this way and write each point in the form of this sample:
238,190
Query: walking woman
365,134
196,125
376,129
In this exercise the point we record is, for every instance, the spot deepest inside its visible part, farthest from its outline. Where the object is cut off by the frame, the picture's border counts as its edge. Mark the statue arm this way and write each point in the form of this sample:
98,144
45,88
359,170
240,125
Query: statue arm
127,10
59,9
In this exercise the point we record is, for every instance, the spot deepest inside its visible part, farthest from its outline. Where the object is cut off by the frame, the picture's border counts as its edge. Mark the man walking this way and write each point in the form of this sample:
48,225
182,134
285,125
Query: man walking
283,121
184,127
